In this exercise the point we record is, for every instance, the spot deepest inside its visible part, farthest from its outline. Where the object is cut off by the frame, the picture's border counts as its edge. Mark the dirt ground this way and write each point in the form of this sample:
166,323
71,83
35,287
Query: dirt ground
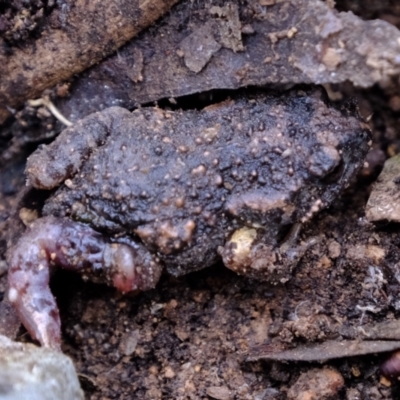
191,337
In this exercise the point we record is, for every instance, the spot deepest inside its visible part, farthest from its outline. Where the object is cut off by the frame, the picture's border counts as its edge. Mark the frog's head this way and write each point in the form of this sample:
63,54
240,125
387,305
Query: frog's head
333,167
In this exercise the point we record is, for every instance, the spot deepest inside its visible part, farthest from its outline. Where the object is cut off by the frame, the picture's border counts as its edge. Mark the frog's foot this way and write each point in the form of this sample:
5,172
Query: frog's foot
247,253
60,242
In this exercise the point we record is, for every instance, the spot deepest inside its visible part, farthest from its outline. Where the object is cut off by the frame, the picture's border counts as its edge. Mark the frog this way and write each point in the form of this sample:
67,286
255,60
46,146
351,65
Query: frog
133,193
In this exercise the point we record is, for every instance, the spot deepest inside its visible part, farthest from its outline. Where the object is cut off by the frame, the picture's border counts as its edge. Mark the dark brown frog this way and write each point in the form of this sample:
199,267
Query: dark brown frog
138,190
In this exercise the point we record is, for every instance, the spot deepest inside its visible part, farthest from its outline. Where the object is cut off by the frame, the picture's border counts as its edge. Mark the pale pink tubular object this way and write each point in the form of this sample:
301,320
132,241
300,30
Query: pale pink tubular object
51,241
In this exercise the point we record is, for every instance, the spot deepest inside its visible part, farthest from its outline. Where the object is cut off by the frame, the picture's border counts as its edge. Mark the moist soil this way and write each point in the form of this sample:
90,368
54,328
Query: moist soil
191,336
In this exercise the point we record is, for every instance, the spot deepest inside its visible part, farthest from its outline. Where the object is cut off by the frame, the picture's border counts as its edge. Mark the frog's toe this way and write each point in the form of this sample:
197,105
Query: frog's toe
30,294
244,254
38,312
247,252
132,268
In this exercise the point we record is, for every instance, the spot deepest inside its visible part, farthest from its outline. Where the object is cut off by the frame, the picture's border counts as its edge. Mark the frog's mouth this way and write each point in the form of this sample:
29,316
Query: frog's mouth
326,190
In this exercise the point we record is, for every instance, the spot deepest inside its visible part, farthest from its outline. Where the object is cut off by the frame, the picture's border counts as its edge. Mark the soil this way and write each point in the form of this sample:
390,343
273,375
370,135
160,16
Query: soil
190,338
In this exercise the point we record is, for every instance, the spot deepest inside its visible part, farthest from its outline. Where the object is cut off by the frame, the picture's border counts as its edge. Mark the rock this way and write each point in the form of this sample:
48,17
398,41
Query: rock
28,372
383,203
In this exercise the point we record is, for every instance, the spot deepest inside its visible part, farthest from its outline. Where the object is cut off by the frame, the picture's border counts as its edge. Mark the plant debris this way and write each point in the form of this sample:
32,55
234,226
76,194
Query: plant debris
328,350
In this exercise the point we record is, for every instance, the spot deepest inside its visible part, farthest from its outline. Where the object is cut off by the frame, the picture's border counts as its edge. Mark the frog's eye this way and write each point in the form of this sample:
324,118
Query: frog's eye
334,175
324,162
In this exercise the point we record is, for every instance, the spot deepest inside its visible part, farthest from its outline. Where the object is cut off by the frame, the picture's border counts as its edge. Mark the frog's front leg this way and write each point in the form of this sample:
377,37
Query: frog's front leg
61,242
247,252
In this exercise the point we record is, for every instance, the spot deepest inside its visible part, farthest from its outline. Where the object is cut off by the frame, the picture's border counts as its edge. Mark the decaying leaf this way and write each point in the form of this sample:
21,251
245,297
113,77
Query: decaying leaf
386,330
285,42
324,351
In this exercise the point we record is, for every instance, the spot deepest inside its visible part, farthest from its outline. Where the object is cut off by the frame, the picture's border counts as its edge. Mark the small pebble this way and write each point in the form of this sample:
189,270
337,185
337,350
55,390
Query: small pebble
317,384
220,393
129,342
169,373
